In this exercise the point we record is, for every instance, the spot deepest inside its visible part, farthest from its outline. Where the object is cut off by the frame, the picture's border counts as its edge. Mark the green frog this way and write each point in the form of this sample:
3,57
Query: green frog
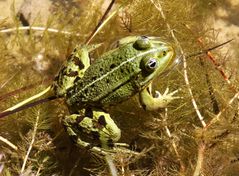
117,75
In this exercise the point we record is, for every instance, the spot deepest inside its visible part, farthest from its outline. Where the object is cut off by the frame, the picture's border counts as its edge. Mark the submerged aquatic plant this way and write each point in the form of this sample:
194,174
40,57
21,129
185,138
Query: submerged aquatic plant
195,135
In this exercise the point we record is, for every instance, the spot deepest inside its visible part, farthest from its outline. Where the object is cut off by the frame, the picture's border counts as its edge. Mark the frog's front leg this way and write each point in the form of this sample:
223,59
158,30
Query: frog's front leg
151,103
92,129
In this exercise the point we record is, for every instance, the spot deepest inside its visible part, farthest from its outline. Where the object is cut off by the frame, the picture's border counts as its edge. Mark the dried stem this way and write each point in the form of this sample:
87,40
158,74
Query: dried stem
29,99
126,22
199,165
25,88
6,113
173,142
186,79
7,81
8,143
122,166
38,28
102,22
214,61
159,7
111,165
31,143
216,118
38,171
219,68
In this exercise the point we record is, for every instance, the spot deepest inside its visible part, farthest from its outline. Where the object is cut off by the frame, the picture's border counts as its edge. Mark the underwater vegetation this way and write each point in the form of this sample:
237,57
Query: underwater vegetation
196,134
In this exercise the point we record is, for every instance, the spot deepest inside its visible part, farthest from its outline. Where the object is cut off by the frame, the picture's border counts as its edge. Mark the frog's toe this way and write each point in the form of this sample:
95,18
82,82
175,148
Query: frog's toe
123,148
152,103
115,150
166,91
166,95
164,99
121,145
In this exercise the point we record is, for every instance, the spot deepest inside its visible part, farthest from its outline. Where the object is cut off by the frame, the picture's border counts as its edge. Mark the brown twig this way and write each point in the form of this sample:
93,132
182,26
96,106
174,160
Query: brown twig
37,102
100,23
8,143
216,118
219,68
22,89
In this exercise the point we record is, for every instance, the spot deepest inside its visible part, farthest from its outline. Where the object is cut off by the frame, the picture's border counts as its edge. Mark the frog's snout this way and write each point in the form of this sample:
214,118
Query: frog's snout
170,50
167,51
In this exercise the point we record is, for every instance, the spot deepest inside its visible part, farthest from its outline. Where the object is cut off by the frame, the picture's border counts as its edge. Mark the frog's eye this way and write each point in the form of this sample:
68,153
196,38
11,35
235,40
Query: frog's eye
149,64
142,43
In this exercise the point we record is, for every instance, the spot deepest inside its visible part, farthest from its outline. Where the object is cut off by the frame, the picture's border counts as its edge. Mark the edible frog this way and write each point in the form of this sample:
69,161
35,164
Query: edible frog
116,76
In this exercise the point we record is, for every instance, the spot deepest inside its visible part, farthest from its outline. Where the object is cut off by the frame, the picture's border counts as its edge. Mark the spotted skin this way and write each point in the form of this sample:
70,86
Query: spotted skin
72,70
100,129
116,76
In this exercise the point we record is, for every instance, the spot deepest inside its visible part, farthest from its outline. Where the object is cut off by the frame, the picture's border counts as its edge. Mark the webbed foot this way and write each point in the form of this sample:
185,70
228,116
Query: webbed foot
151,103
94,130
166,97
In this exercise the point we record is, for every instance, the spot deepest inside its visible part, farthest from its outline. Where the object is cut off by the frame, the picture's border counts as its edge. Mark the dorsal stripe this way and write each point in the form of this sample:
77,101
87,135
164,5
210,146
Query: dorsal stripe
119,66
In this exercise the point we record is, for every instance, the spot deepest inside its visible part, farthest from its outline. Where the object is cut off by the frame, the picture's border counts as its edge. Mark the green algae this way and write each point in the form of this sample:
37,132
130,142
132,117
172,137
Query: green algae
162,153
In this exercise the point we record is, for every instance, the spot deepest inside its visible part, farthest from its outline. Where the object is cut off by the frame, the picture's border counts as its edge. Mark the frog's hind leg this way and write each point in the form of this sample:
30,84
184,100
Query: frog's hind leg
101,131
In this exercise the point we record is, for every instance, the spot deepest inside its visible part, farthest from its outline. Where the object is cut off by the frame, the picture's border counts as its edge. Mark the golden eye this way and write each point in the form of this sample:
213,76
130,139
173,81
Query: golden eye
142,43
149,64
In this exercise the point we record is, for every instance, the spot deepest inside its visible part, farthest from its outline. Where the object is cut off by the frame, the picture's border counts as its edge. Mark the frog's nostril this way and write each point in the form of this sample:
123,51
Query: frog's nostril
144,37
164,53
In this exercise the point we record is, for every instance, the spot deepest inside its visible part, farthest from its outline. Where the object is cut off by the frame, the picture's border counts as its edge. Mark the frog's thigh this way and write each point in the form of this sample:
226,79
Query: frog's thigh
71,126
99,126
108,131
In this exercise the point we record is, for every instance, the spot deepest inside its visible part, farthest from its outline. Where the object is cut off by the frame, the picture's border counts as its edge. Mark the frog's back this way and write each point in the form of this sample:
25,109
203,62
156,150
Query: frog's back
107,81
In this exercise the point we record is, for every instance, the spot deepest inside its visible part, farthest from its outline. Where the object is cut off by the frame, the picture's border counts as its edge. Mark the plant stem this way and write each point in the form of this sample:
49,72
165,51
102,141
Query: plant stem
201,118
31,143
198,168
8,143
37,28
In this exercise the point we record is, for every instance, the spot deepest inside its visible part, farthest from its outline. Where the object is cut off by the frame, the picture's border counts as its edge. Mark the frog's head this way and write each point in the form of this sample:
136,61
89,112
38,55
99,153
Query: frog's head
154,57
